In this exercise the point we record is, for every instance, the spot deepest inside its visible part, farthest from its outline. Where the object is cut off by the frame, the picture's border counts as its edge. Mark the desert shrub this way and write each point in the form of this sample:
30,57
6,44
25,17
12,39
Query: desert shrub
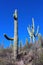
38,58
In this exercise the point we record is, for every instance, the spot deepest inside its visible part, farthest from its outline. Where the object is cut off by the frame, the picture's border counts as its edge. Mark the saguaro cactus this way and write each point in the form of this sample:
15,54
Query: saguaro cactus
15,48
20,46
31,32
15,45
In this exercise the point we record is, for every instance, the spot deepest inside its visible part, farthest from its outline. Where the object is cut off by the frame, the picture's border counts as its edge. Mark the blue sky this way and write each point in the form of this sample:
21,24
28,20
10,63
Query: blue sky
26,10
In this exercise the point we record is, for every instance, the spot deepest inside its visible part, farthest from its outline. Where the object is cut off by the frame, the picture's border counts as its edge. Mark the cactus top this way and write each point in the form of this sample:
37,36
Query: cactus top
15,14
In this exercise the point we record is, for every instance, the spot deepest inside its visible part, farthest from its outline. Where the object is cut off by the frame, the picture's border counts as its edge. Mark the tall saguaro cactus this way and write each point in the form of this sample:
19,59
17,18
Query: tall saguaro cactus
15,39
15,48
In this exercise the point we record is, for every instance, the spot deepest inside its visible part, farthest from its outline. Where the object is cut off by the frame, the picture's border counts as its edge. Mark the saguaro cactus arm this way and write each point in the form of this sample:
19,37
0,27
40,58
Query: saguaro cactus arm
28,29
32,25
8,37
37,31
